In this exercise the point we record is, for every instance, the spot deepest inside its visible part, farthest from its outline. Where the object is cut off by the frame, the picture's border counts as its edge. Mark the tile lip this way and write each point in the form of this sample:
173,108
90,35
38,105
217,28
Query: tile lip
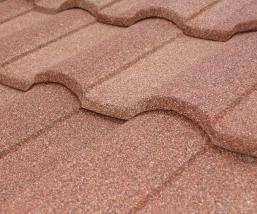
241,144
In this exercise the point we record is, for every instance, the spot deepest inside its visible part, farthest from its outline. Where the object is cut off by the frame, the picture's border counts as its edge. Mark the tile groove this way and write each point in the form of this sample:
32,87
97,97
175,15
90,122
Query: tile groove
172,178
19,145
46,44
239,100
16,16
202,10
129,64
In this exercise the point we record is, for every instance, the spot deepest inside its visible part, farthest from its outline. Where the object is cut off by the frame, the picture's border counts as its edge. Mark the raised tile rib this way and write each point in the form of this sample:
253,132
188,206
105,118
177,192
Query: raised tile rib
216,182
208,19
39,155
116,172
199,79
38,35
91,66
13,8
27,114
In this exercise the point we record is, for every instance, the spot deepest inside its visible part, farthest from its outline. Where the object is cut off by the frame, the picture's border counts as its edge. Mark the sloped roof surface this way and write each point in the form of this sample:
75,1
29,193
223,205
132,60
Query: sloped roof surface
118,106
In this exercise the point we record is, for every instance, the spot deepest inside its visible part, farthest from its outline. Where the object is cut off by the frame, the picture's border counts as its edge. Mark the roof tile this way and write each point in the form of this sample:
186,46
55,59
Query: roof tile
13,8
23,21
31,112
36,36
41,154
22,73
57,157
54,6
225,19
238,128
210,19
118,171
89,67
199,79
129,12
217,182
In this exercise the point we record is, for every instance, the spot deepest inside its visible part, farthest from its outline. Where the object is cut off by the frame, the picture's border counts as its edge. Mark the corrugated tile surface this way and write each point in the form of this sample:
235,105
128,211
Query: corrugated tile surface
105,111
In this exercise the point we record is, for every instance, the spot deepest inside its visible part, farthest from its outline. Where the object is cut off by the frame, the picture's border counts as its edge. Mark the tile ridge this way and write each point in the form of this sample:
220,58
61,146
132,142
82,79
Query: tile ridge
170,180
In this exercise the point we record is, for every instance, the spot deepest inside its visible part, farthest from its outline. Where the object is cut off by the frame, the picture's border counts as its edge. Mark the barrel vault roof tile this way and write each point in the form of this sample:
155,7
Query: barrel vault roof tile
117,106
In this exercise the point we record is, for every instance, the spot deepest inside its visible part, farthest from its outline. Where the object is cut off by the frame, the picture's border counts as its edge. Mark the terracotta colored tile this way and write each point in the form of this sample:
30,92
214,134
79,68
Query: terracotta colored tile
115,173
32,112
238,128
197,78
13,8
20,169
34,37
128,12
54,6
225,19
217,182
21,22
7,95
209,19
22,73
93,65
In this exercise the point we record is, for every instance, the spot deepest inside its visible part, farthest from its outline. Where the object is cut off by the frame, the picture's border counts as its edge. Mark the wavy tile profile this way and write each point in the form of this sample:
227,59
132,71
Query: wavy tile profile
150,65
208,19
178,96
205,81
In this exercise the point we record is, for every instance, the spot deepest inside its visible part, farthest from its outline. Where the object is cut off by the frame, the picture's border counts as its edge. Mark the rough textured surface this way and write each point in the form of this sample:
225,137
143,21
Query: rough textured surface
35,36
92,65
13,8
198,79
22,73
238,127
117,172
56,157
29,113
224,19
209,19
54,6
41,154
24,21
217,182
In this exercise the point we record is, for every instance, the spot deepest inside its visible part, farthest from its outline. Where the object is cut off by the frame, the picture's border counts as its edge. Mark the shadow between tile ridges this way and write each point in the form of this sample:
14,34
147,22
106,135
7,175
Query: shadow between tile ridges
191,112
